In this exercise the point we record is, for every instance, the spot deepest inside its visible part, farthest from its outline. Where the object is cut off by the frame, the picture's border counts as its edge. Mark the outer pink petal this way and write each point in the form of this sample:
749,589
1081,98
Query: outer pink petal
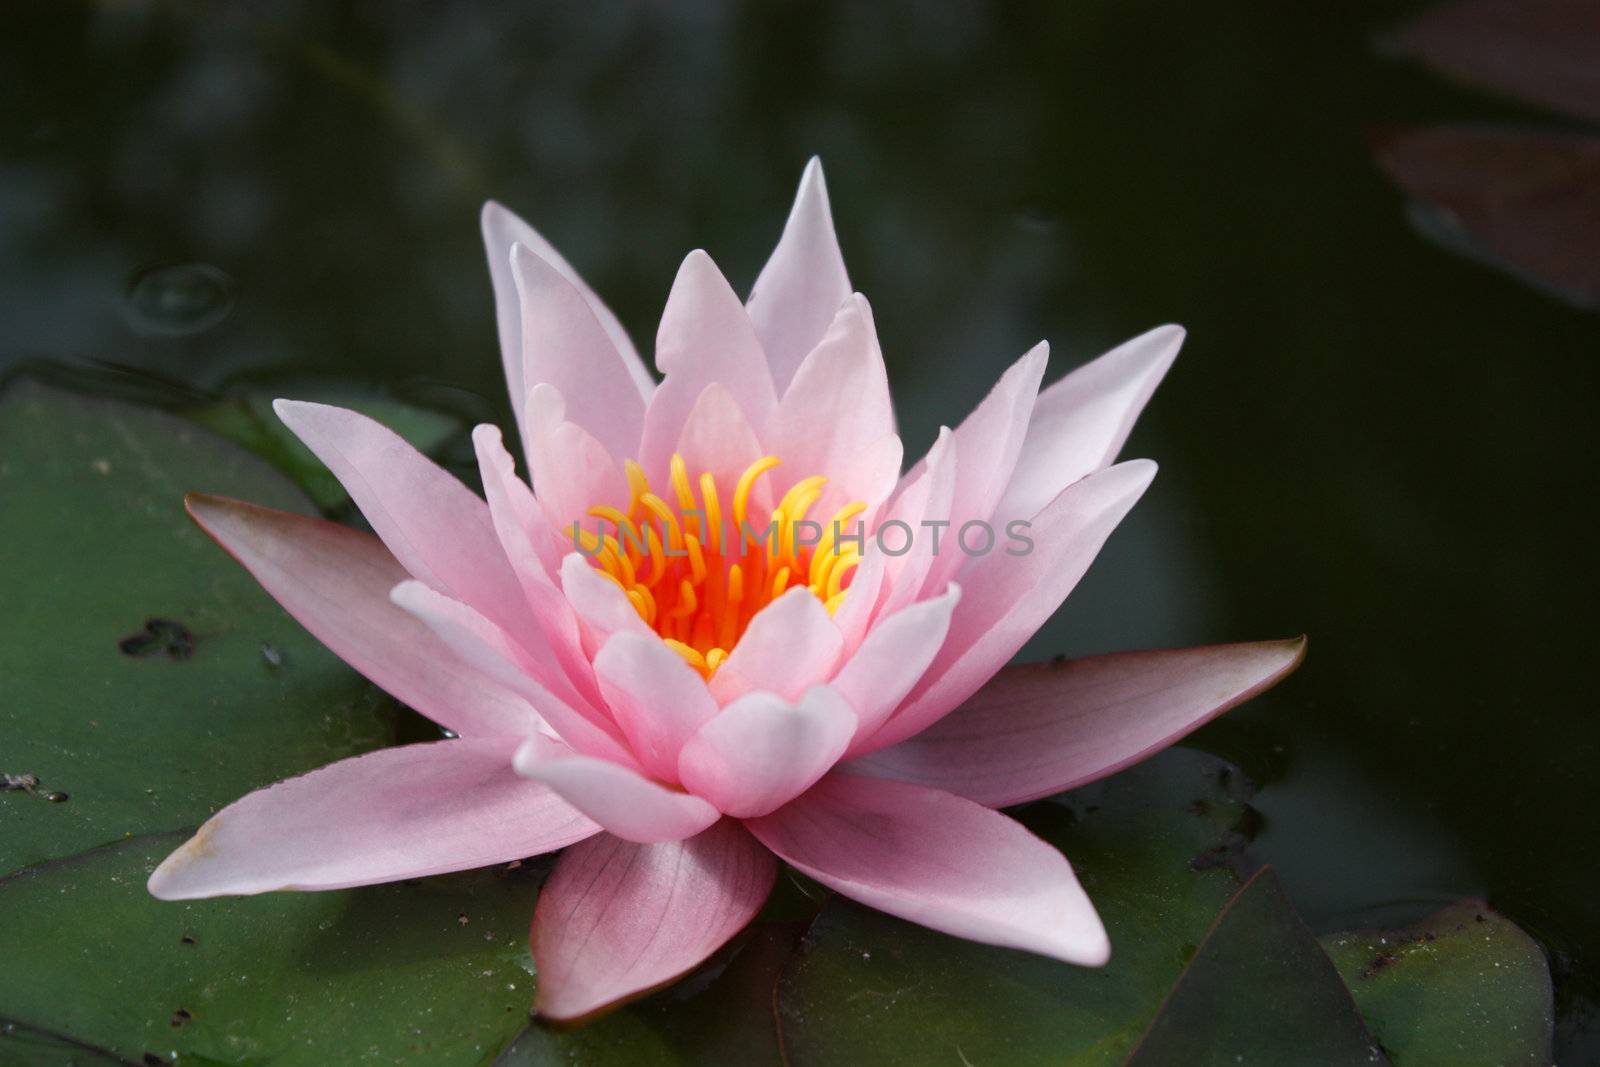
1047,727
803,284
1080,423
617,919
762,752
892,658
790,645
623,801
705,337
938,860
564,345
335,581
487,647
396,813
1009,597
987,444
435,526
501,230
657,699
572,470
835,415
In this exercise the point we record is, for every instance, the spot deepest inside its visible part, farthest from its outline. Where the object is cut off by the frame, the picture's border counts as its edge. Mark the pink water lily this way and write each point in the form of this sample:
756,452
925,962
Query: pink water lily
634,670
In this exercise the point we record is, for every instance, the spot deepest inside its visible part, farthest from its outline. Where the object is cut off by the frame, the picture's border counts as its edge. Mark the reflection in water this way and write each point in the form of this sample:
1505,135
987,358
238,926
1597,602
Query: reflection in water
1364,440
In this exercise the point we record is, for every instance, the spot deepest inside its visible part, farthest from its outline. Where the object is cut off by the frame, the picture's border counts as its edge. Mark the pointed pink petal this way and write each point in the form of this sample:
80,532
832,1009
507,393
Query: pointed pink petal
396,813
835,414
657,699
789,646
624,802
335,581
718,438
488,648
564,345
761,752
854,617
803,283
928,496
938,860
1008,597
501,230
572,470
892,658
530,546
616,919
1080,423
1047,727
705,337
986,446
435,526
603,608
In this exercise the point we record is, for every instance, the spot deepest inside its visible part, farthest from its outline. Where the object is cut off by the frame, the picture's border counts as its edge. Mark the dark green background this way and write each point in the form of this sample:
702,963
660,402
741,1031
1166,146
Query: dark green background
1366,438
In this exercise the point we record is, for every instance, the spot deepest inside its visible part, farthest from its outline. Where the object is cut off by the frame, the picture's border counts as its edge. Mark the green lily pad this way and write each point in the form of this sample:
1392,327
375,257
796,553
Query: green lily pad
427,972
251,423
1153,846
147,679
1260,990
1462,988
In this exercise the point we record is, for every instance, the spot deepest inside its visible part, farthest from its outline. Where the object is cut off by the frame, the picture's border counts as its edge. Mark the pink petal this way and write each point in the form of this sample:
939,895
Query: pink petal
603,608
927,496
987,444
617,919
488,648
435,526
705,337
789,646
530,546
624,802
761,752
803,284
501,230
396,813
335,581
1008,597
938,860
854,617
564,345
1080,423
657,699
1047,727
717,438
572,470
836,414
892,658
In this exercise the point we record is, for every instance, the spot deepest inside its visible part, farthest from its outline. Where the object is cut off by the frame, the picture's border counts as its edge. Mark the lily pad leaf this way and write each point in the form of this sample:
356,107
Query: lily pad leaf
147,680
1464,987
1260,990
430,972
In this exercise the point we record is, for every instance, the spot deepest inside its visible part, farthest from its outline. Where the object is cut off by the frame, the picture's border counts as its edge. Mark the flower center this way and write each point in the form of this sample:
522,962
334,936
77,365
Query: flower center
697,574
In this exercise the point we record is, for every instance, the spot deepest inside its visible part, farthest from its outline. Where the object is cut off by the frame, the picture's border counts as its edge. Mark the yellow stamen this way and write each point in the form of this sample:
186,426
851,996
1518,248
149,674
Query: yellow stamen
697,584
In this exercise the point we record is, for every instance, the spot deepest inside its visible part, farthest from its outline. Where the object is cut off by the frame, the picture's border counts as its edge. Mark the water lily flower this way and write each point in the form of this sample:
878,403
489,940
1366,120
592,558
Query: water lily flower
635,671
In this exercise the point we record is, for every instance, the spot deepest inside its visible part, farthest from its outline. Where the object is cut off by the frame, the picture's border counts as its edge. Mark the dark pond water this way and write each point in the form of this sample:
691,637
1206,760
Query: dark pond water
1367,438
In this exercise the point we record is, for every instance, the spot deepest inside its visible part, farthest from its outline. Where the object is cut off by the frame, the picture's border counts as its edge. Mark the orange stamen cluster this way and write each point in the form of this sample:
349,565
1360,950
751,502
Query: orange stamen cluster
697,574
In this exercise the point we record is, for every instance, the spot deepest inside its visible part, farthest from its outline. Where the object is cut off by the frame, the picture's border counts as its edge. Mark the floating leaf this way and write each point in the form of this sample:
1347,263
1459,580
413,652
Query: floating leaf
1462,988
1260,990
